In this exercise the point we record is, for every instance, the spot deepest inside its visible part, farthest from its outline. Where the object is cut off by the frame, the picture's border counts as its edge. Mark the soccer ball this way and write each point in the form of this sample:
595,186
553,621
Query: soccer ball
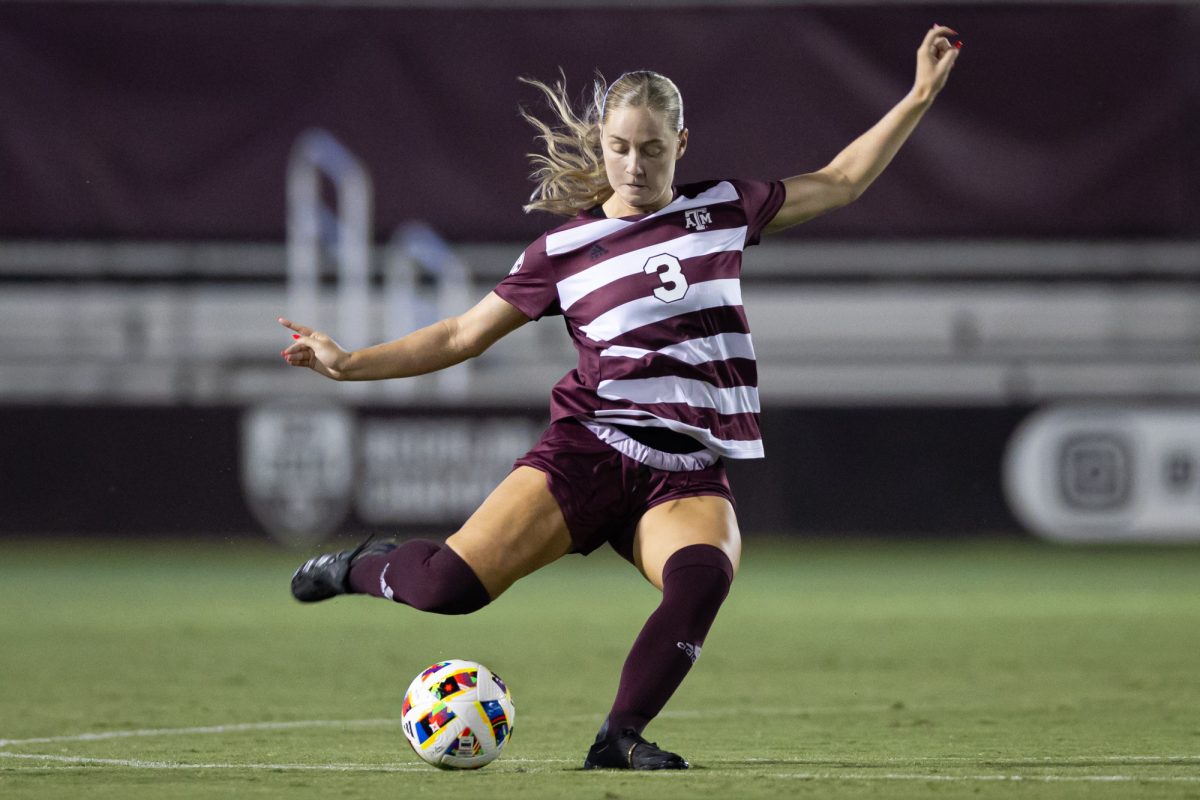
457,715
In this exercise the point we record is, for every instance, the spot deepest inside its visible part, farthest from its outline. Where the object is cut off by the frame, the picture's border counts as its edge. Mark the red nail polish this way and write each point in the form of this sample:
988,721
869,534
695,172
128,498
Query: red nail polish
295,336
958,45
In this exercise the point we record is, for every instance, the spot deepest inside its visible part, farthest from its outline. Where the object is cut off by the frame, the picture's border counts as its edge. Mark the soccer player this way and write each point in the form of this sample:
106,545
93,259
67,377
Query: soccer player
646,274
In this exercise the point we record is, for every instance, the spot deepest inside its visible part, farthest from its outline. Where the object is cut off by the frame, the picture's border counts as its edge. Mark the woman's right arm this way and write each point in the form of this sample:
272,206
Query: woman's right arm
845,178
442,344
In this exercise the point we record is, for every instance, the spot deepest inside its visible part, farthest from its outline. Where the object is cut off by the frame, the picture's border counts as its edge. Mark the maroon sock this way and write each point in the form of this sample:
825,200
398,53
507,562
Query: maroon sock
426,575
695,581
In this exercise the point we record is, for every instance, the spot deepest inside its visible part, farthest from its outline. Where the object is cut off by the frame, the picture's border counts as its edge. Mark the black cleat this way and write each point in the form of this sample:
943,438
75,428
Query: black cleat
628,750
328,575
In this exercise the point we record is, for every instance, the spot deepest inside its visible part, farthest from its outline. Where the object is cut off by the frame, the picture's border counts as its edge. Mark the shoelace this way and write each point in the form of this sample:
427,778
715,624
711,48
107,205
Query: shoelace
360,548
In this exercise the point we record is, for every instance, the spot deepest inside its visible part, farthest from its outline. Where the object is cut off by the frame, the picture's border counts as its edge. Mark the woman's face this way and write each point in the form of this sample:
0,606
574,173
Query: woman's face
640,151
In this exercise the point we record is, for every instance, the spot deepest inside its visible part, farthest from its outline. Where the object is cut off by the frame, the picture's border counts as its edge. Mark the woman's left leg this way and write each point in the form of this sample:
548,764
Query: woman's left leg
689,548
688,521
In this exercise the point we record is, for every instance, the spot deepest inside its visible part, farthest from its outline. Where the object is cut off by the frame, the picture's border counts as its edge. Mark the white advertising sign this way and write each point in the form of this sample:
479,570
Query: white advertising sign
1107,474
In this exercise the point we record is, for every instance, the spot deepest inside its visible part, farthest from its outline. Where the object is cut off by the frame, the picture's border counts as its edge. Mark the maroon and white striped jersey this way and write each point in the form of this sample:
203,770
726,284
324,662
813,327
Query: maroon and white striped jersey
653,304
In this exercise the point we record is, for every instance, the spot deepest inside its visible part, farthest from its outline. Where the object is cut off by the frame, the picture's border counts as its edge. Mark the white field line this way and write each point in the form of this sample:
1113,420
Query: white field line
980,759
77,761
140,764
232,728
902,776
364,723
71,761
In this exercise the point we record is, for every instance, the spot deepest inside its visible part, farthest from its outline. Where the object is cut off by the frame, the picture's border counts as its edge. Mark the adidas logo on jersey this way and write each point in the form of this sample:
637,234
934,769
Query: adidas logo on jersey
596,252
690,650
699,219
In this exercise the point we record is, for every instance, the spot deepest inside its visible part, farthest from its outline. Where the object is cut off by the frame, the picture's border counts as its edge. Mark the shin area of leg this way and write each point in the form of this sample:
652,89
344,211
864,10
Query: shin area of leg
696,580
424,574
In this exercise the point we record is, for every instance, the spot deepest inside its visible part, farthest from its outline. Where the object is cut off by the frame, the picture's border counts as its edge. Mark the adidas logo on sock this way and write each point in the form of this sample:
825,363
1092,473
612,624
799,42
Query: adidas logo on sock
691,650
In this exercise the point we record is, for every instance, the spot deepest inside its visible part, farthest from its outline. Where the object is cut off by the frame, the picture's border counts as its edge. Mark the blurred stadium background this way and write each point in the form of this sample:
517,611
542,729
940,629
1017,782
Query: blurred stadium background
177,174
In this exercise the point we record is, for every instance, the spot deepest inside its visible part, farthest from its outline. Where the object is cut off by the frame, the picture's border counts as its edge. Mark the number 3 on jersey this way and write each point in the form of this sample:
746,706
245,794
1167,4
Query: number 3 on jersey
670,272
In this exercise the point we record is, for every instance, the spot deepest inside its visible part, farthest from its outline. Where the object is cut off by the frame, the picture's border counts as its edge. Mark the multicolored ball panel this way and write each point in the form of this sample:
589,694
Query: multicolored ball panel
427,726
456,684
432,669
494,712
465,746
457,715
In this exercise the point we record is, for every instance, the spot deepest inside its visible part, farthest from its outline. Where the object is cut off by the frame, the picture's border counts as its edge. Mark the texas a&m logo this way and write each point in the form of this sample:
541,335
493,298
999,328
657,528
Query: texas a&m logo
699,219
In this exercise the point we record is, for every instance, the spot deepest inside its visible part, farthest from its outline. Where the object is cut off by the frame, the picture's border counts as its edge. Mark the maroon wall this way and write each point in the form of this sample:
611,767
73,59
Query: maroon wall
164,121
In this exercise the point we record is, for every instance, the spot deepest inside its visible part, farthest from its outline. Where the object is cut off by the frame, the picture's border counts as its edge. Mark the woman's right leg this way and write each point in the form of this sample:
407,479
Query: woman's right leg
518,529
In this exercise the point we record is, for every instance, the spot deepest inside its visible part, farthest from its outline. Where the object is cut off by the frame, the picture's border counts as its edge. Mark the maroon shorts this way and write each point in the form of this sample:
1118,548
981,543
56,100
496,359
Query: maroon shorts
603,493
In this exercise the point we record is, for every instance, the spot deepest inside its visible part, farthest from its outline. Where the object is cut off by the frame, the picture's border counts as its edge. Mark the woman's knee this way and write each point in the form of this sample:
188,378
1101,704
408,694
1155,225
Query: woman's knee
447,585
671,527
423,574
703,571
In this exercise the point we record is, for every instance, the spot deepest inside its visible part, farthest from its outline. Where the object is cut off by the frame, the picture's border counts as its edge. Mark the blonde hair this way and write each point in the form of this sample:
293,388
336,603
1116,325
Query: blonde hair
570,174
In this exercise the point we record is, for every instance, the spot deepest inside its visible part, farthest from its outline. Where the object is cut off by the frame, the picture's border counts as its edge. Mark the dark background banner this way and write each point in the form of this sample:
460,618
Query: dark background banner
149,471
175,121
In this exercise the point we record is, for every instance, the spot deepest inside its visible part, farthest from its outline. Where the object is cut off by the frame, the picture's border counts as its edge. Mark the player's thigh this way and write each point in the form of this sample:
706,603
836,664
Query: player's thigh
675,524
518,529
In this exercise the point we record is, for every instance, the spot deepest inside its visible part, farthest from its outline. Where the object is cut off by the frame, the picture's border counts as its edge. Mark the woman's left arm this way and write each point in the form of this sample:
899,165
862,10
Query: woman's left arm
845,178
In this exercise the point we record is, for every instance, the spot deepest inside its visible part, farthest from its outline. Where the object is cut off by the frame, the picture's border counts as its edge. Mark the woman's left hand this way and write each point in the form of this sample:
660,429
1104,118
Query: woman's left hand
935,59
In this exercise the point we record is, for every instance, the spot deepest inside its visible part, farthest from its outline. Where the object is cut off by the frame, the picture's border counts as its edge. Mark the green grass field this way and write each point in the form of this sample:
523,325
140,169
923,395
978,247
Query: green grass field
836,670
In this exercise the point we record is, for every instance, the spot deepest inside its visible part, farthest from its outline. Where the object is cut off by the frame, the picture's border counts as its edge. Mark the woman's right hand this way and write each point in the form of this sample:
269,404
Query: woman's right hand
935,59
315,350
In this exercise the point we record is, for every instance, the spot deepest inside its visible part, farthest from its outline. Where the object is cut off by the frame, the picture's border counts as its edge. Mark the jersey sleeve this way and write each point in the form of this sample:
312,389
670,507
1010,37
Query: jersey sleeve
761,201
530,286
